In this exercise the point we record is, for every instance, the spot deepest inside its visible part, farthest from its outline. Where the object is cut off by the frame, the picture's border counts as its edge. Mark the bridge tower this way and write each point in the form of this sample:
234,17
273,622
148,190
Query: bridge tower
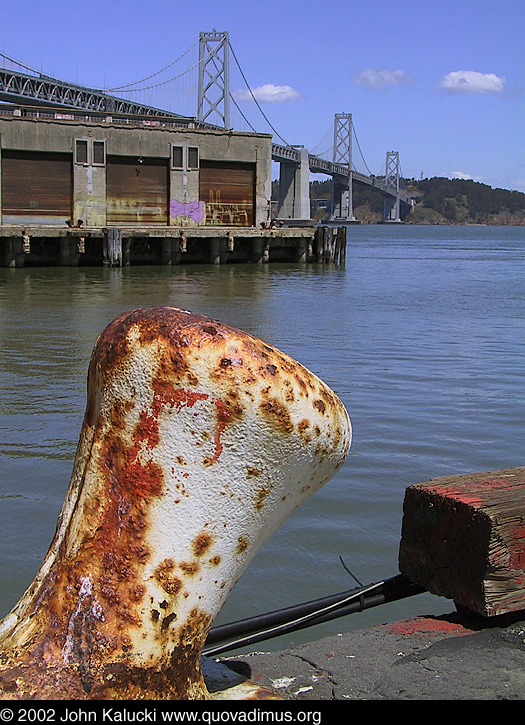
342,203
392,201
214,78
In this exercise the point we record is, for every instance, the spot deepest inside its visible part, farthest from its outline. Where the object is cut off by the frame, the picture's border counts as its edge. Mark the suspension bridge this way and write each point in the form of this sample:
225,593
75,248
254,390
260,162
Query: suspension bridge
167,97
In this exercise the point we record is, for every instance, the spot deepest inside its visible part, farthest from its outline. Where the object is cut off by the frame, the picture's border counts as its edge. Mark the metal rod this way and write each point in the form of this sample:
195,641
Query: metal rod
266,626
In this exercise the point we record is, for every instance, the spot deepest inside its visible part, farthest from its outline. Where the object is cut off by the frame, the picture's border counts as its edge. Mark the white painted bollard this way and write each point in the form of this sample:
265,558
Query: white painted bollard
198,441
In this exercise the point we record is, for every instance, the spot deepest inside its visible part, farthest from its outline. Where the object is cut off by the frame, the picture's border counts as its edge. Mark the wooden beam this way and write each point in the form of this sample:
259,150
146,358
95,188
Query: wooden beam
463,537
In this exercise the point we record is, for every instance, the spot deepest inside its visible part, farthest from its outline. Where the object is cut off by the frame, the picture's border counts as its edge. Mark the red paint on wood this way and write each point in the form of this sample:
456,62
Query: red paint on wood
457,495
463,537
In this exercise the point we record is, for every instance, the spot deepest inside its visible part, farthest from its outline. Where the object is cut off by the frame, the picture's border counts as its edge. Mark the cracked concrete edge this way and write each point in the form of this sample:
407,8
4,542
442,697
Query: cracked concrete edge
420,658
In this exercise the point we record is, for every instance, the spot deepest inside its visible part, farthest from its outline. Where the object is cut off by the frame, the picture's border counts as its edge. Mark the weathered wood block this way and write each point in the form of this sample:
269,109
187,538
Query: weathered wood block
463,537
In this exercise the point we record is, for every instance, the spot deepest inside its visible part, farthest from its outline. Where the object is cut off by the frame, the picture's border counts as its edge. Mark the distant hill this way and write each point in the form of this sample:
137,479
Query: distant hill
461,201
439,201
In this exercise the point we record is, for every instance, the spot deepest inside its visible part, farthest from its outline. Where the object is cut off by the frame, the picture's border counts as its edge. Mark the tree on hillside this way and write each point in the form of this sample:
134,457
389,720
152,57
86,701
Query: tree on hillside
453,201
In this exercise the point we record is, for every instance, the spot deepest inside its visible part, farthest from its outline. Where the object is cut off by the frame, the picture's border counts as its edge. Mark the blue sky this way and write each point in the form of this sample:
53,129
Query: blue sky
440,82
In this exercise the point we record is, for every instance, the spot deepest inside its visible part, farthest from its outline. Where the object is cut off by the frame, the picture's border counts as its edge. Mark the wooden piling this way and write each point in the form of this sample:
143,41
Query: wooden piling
463,537
342,245
327,238
318,243
338,246
112,248
333,245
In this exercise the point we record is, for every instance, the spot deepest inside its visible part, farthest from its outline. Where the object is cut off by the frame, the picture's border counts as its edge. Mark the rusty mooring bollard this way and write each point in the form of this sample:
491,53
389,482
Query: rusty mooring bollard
198,441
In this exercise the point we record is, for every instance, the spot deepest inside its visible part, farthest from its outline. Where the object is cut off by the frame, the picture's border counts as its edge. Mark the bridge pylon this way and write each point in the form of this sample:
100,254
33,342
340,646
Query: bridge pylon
342,201
214,79
294,187
392,201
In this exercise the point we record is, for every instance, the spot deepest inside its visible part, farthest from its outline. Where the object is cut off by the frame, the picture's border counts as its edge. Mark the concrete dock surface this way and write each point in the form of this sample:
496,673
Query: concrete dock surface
457,656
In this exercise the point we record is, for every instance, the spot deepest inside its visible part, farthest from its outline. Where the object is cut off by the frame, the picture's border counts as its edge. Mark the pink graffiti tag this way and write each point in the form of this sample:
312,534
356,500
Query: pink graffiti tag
192,209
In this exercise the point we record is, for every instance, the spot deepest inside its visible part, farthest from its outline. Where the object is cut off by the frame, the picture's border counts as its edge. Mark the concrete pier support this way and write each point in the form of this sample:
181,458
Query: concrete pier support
301,251
342,202
126,252
166,253
219,250
179,247
215,251
12,252
391,209
69,252
294,188
260,251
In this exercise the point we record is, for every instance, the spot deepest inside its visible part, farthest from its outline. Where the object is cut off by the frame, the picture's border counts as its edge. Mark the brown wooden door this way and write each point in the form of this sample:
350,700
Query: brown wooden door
228,191
136,191
37,187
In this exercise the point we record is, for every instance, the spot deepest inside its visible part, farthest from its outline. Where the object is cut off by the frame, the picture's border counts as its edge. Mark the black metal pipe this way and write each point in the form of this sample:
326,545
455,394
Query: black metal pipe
271,619
273,624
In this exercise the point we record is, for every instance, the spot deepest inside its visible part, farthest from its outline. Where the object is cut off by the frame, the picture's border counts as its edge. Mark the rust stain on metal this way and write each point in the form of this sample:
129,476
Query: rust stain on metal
224,417
261,496
201,543
189,567
164,575
173,491
278,413
319,404
251,471
242,544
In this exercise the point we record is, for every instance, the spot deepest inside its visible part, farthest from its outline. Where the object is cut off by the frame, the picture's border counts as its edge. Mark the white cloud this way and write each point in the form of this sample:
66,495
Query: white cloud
382,79
268,93
460,175
471,81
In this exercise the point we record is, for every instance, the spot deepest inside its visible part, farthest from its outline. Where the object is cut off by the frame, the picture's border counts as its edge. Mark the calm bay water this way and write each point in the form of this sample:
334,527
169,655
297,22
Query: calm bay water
422,336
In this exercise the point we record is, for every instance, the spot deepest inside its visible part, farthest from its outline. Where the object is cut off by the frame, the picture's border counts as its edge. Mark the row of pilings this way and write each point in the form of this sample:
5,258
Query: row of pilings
114,247
330,245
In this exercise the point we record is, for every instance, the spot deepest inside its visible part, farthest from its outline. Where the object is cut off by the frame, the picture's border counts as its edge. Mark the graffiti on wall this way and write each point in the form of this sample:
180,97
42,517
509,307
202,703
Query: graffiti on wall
219,213
187,213
212,213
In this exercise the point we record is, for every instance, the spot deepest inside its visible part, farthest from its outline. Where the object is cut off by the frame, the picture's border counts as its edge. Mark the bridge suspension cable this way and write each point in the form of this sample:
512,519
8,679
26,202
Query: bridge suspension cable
360,151
147,78
242,114
255,100
19,64
172,97
154,85
328,134
165,91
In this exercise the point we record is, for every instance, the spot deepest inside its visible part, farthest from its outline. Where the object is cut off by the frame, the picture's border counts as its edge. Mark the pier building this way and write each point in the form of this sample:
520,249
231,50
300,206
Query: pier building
83,188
